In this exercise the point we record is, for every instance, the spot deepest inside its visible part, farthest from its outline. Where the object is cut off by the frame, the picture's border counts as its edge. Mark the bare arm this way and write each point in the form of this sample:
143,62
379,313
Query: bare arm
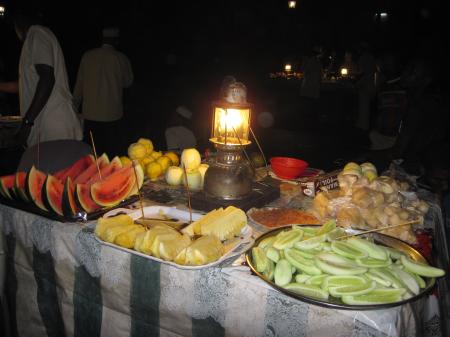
43,90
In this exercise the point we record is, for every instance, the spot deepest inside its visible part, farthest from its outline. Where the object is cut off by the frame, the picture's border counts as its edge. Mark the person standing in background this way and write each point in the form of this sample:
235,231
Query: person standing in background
44,94
365,85
310,87
103,75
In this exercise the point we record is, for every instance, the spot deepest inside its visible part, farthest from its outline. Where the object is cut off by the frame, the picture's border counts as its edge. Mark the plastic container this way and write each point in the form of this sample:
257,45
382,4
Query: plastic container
287,167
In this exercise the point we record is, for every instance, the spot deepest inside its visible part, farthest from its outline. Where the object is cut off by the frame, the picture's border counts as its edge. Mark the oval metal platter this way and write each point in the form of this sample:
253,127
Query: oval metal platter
336,303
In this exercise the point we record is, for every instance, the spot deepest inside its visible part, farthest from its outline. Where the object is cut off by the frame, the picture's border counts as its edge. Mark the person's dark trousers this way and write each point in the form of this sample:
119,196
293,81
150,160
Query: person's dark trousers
107,137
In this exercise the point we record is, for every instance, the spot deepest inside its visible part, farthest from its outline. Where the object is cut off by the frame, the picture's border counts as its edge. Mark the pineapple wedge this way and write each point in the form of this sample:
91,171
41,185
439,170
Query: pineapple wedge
195,227
112,232
128,239
160,237
204,250
104,223
150,235
227,226
169,248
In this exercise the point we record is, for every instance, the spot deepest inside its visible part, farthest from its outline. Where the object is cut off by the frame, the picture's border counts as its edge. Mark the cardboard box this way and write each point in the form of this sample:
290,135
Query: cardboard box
313,185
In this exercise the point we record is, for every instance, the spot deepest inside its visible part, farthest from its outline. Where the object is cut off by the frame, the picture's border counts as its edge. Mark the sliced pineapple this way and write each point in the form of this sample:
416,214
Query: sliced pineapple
160,237
228,225
195,227
128,239
150,235
138,242
105,223
112,232
204,250
169,249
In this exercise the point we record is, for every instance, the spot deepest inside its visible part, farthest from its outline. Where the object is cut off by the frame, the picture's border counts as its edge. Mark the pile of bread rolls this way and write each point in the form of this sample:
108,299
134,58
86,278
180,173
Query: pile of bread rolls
365,200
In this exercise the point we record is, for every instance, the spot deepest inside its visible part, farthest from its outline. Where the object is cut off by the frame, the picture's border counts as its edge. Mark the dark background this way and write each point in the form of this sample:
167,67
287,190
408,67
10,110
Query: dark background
181,50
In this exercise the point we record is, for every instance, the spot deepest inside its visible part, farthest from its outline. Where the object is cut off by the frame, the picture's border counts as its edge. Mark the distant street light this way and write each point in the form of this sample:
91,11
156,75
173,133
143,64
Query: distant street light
292,4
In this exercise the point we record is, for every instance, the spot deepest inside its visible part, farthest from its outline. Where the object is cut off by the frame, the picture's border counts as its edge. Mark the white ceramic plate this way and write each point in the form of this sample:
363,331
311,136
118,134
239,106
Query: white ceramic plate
233,248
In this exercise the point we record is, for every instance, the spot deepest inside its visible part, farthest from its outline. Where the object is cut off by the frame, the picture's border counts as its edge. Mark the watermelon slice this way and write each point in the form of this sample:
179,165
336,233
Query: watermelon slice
83,191
140,179
33,185
6,185
114,188
52,191
69,206
76,168
83,177
19,186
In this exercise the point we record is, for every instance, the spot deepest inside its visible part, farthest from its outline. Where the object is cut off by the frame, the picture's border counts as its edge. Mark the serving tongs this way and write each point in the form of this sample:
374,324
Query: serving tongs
151,222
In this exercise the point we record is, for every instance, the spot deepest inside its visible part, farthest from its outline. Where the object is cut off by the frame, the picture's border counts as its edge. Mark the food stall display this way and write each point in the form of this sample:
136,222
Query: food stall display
326,266
365,200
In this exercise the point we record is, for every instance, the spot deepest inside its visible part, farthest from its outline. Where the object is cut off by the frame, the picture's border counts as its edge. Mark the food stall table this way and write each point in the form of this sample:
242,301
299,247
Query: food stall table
61,281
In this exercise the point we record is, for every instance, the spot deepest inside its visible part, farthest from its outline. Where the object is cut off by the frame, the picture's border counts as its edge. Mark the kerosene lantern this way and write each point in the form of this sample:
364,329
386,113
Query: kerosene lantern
230,176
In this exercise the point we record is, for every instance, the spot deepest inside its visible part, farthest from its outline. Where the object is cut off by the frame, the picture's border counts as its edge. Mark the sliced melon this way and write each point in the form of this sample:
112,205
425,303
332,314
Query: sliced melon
33,185
101,162
52,191
69,206
6,184
19,186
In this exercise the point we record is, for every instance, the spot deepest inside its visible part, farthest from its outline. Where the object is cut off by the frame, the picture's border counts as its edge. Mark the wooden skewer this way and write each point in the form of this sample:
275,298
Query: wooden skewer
38,150
378,229
95,155
188,195
139,191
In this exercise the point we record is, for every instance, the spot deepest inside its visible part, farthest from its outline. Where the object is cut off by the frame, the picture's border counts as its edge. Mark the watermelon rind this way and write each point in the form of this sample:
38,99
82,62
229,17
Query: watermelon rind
115,188
33,186
52,191
140,179
83,198
6,185
19,186
69,206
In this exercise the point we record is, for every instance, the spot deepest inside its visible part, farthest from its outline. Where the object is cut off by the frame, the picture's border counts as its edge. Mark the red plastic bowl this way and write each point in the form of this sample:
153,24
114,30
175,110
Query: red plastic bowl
288,168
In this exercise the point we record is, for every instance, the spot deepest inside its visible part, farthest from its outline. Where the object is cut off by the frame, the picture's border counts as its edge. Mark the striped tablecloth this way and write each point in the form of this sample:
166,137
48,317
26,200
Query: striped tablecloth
61,281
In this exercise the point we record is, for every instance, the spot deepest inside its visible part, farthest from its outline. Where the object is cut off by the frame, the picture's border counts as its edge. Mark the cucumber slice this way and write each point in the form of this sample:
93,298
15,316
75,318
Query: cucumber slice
326,246
260,259
373,263
302,278
287,240
369,299
420,281
326,227
337,260
388,291
352,290
316,279
310,231
379,280
307,254
310,243
283,274
308,290
344,249
421,269
335,233
305,265
396,282
332,266
340,281
409,281
394,253
267,242
270,270
273,254
374,251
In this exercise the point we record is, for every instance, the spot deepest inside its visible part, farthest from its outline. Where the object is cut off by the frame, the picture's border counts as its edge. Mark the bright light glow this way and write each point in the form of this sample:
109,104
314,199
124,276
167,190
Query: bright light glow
2,10
383,15
344,71
288,67
231,126
292,4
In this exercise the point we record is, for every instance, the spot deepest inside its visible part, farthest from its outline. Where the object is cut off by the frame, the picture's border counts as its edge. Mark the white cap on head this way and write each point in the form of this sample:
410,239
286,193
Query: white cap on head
184,112
110,32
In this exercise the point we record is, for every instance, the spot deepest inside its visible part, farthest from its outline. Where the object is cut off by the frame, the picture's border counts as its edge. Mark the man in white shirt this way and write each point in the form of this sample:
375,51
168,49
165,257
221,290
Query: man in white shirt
103,75
44,95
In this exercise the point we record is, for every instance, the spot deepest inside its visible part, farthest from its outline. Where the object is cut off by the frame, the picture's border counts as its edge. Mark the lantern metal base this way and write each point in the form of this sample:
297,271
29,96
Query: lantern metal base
230,177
